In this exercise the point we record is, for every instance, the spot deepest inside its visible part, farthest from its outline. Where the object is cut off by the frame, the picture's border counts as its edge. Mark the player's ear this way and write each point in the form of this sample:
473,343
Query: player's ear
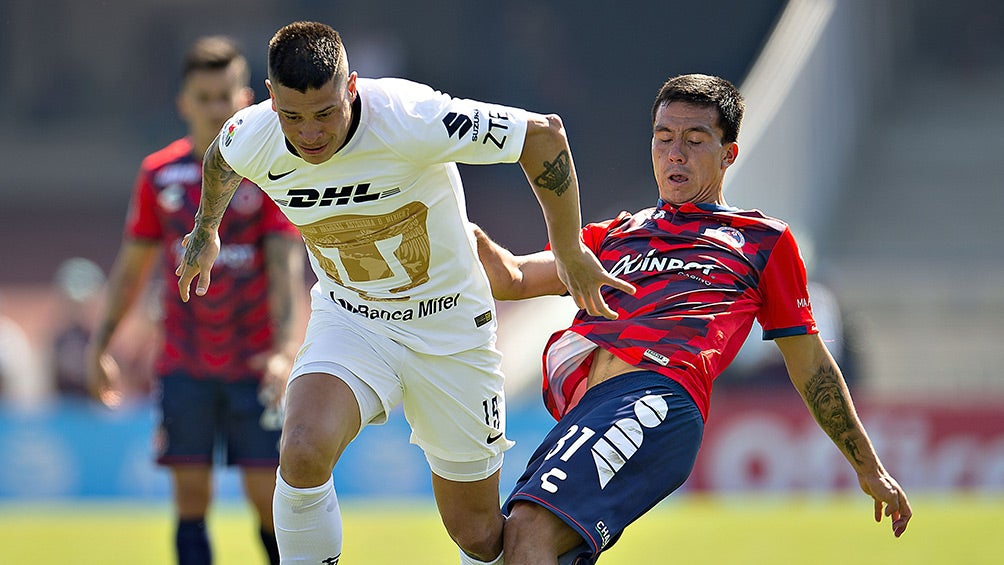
271,95
730,154
351,86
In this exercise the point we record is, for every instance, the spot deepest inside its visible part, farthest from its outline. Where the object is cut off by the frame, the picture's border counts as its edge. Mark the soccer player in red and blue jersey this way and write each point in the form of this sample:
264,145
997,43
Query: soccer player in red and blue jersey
631,394
225,359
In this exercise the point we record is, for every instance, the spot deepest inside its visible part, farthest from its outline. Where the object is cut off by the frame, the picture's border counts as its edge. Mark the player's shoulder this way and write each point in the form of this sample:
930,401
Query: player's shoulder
249,133
755,218
248,124
399,100
177,150
393,88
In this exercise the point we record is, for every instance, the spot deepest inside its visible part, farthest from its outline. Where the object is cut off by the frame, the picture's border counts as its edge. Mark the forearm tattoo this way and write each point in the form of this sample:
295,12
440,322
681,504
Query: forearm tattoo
557,175
825,398
219,182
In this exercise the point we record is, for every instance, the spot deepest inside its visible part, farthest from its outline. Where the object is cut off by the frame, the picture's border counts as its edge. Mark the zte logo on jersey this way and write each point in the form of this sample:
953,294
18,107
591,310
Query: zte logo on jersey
460,124
333,196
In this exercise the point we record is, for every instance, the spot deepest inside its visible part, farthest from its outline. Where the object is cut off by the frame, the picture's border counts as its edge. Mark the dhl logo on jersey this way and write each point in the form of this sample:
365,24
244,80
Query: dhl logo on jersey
333,196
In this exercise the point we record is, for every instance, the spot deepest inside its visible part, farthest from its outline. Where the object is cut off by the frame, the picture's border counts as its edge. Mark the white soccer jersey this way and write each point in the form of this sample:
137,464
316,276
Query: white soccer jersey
385,219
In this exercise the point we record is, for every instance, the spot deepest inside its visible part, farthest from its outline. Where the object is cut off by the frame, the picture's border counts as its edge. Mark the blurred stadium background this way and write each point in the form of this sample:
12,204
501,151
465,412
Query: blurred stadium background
872,127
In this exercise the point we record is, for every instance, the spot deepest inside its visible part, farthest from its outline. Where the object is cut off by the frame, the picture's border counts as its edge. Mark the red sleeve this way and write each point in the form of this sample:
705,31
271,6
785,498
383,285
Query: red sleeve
593,234
142,221
785,310
274,221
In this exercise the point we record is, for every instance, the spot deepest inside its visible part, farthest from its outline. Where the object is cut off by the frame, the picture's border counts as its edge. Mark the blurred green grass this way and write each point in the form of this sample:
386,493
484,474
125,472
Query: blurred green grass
951,529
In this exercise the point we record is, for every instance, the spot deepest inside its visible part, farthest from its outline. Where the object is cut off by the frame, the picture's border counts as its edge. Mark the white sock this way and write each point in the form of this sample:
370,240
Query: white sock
468,560
308,523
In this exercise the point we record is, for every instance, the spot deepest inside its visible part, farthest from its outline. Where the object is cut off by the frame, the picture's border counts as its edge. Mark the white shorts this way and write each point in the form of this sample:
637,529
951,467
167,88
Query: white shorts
455,404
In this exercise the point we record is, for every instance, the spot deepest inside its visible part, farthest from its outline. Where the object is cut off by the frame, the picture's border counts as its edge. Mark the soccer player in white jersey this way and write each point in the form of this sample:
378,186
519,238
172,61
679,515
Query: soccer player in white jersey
402,312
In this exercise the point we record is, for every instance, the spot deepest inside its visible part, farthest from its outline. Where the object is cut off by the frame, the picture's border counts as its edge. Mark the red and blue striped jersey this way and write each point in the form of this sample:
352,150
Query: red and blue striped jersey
211,336
703,273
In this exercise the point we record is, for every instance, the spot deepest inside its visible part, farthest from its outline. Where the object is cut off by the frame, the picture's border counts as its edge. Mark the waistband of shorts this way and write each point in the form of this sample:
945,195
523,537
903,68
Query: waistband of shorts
636,381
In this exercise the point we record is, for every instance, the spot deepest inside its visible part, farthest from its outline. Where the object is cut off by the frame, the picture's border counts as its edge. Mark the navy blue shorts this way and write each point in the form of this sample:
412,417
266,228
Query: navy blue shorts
206,421
630,442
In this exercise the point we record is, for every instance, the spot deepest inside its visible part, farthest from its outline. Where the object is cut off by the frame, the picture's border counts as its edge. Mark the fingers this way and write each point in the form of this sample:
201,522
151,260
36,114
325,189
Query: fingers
185,274
597,306
202,286
197,262
621,285
592,302
897,508
901,517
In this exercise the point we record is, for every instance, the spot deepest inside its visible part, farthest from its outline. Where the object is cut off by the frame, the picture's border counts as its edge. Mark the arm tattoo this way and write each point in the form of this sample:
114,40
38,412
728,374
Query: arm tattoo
219,182
195,246
557,175
826,400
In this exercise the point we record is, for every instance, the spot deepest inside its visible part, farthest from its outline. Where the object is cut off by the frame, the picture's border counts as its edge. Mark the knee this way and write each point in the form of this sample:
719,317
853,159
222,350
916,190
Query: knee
480,537
305,460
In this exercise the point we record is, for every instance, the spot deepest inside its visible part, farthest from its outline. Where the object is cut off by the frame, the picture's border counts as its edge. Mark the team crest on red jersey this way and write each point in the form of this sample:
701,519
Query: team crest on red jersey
727,234
172,198
247,199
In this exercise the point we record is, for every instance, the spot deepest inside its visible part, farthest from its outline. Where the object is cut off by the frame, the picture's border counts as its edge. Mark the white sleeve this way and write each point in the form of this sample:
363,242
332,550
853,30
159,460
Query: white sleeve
243,142
443,129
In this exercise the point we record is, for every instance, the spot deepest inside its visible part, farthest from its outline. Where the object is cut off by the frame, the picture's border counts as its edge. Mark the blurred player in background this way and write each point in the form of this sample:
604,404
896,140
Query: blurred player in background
403,313
225,359
631,394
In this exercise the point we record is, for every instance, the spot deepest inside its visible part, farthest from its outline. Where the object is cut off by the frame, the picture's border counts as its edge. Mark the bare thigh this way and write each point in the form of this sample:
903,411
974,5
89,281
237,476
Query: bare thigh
532,532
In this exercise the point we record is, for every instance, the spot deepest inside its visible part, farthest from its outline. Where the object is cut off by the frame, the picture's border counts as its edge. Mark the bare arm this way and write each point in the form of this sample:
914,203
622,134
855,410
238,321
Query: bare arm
202,245
547,163
817,378
126,280
516,277
284,266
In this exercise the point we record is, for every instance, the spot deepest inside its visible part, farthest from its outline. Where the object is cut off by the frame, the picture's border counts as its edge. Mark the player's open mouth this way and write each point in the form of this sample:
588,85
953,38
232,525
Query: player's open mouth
679,179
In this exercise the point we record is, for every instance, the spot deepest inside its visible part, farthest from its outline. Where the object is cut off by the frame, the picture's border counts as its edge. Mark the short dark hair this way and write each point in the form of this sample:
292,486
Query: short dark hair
215,53
305,55
705,90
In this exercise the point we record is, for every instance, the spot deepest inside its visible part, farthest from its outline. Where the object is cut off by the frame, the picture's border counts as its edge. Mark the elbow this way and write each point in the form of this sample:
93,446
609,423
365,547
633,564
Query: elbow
543,133
506,292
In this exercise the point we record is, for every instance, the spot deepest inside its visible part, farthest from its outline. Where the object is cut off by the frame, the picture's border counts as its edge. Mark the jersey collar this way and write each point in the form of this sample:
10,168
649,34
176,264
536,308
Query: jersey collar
692,207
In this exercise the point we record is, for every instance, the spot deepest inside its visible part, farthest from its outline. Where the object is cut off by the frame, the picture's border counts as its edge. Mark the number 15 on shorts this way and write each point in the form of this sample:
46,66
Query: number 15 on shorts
493,418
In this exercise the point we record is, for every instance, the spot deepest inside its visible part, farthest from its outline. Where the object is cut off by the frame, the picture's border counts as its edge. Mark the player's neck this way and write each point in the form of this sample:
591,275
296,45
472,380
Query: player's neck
199,146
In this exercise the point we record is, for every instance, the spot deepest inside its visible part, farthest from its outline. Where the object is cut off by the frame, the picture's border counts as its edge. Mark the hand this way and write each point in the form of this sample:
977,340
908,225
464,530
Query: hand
201,250
274,367
886,491
104,379
583,276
